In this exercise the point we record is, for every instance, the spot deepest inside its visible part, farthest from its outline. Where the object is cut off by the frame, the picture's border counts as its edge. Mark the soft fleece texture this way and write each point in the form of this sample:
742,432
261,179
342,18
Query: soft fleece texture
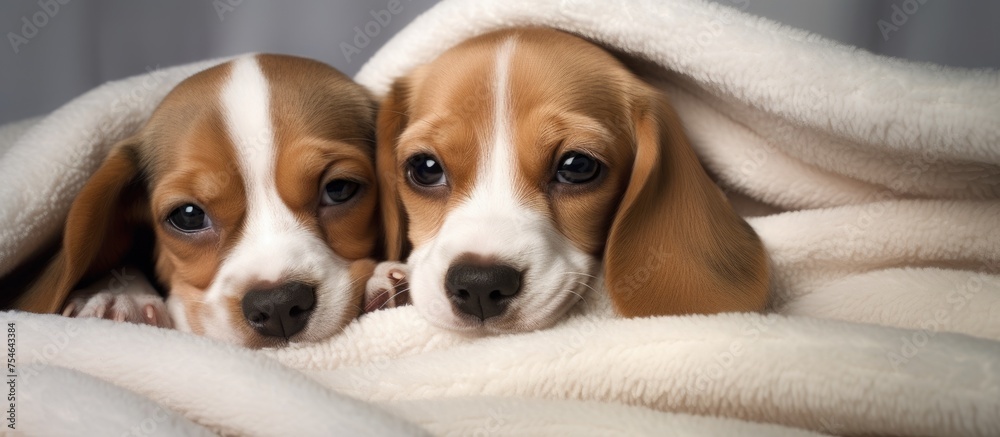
890,171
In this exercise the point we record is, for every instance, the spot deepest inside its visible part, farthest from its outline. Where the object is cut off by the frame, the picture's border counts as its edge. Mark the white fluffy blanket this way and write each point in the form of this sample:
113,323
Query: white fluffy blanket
886,267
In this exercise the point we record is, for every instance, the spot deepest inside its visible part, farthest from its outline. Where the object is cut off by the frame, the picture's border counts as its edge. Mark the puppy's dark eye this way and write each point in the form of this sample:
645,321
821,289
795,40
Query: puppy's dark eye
425,170
577,168
189,218
339,191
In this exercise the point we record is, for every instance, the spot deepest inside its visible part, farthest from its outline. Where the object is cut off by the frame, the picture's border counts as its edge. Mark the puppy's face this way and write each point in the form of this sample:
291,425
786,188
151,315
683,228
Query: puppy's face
257,179
511,166
260,200
522,160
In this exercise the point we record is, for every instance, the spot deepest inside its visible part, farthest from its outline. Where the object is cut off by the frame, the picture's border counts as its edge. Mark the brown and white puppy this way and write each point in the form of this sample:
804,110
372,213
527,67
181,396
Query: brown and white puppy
523,164
256,180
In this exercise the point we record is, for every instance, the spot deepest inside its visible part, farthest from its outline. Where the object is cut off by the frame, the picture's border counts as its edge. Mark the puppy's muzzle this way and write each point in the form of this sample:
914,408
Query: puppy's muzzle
280,311
482,291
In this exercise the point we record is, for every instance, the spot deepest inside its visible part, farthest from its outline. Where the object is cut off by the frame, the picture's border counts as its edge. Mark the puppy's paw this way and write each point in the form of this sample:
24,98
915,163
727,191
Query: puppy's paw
132,301
131,307
388,287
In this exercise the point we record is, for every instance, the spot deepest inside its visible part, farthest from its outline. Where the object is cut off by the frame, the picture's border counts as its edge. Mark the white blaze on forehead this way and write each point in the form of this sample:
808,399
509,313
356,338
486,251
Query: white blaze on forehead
501,109
494,184
246,103
503,162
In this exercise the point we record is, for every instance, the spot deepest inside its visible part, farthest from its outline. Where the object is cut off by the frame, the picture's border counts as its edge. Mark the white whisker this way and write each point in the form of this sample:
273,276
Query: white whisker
577,295
393,297
581,274
585,285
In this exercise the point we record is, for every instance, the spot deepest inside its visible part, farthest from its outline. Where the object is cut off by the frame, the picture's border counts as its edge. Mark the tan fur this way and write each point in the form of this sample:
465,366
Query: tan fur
447,126
671,243
320,140
676,246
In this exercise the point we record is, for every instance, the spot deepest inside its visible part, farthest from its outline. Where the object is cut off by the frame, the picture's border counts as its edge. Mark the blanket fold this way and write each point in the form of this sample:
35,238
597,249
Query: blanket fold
874,184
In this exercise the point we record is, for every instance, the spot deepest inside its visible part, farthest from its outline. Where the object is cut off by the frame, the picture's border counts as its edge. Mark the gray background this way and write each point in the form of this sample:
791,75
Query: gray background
88,42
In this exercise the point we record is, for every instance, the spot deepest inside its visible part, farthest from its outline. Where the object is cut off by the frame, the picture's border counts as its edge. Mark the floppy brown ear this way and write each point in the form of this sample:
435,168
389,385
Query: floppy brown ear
676,246
98,230
392,119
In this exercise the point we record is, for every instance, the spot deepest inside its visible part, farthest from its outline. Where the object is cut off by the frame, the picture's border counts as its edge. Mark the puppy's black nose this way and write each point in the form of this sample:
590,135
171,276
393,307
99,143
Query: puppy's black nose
482,290
281,311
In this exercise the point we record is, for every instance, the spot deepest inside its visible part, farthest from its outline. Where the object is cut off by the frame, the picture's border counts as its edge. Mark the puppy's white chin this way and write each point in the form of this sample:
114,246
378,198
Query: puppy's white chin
507,323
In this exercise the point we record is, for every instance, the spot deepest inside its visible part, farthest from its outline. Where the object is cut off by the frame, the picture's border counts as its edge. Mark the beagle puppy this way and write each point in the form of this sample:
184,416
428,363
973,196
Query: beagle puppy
253,184
521,166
